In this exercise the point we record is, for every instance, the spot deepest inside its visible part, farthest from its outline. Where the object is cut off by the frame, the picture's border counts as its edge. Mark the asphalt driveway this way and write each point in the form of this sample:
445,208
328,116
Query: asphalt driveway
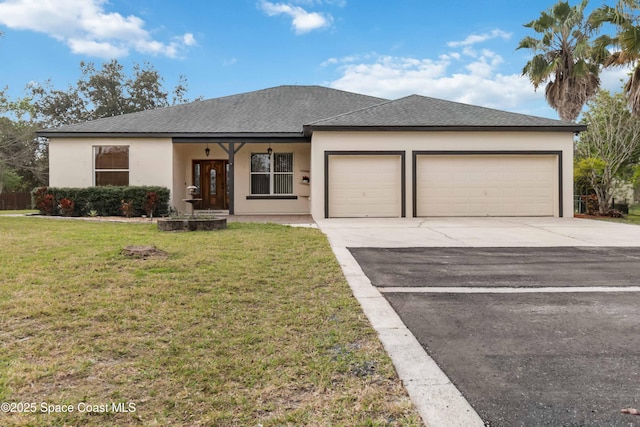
534,321
501,267
551,359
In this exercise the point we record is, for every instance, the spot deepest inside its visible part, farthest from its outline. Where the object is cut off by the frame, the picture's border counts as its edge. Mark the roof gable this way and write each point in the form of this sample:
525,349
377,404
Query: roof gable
421,112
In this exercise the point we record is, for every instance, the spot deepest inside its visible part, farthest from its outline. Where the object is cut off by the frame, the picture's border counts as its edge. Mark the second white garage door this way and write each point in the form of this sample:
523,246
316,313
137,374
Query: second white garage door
364,186
486,185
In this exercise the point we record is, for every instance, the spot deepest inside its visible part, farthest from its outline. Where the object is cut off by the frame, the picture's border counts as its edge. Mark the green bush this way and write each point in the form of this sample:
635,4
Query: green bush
105,200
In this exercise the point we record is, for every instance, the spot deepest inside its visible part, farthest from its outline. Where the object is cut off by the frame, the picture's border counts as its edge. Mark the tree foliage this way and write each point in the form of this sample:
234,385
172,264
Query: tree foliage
100,92
22,160
104,92
563,58
623,48
609,147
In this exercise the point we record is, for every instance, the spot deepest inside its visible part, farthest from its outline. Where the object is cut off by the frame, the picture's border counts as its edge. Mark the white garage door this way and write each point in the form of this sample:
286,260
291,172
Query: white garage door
486,185
364,186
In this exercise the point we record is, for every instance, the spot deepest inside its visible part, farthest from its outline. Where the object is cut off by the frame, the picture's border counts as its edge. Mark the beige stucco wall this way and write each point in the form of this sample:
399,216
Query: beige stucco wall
71,161
184,154
455,141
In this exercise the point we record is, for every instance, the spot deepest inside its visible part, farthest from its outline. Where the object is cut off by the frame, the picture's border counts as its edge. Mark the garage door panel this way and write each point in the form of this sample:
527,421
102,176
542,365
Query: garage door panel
486,185
364,186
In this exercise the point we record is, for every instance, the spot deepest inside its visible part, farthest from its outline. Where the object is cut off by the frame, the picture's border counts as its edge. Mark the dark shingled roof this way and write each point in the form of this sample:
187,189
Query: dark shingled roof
280,110
290,111
421,112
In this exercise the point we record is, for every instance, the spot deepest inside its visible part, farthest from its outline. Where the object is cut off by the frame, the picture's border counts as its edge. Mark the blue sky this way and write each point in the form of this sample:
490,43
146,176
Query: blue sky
461,50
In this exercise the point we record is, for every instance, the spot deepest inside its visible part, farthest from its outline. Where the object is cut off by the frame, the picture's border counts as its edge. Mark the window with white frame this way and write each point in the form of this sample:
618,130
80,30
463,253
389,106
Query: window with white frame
111,164
271,174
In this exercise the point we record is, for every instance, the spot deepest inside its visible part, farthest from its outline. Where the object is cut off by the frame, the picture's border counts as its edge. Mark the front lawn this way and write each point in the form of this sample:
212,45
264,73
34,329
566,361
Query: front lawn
633,217
253,325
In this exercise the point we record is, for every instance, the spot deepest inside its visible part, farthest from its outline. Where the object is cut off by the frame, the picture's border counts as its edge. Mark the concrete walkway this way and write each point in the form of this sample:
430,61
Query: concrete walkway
437,400
477,232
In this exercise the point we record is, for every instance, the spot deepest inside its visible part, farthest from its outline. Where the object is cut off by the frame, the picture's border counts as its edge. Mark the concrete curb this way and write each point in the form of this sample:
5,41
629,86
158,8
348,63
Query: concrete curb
437,400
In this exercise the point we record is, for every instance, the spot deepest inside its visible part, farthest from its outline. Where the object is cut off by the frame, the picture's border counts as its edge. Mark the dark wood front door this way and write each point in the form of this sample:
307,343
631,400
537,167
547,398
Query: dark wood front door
210,176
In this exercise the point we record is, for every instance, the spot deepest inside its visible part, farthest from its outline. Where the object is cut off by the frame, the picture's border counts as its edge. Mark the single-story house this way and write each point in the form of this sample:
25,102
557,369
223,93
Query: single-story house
330,153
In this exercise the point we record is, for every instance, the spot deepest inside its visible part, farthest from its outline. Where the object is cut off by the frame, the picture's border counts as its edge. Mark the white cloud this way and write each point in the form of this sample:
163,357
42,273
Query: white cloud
338,3
93,48
189,40
471,76
479,38
303,21
613,79
87,28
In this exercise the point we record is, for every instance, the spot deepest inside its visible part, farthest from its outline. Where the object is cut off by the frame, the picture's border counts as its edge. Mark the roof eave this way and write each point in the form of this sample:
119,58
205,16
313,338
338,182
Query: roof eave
192,136
531,128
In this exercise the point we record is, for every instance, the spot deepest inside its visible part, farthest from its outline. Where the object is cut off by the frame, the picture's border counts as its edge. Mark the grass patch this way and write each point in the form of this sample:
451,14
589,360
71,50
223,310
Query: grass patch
628,219
250,325
633,217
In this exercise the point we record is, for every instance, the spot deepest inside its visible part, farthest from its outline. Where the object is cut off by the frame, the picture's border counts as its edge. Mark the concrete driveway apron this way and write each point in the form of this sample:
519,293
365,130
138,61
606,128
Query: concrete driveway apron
542,333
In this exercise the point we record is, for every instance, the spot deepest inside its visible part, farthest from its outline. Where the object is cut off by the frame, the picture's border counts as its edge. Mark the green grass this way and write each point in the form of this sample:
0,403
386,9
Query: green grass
628,219
253,325
632,218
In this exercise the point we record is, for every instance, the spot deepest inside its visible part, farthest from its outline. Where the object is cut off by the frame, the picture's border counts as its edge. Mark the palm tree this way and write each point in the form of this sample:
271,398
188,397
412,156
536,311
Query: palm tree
563,57
626,44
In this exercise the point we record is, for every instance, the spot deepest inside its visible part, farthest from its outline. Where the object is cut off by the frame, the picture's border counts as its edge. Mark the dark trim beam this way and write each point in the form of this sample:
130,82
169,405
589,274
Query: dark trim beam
272,197
230,179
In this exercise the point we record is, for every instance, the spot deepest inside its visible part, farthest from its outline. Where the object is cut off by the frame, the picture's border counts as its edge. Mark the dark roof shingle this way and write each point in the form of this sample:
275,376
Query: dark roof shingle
278,110
417,111
288,111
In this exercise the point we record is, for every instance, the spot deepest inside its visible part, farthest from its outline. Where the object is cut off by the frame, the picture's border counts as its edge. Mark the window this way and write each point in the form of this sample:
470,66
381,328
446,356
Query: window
272,174
111,164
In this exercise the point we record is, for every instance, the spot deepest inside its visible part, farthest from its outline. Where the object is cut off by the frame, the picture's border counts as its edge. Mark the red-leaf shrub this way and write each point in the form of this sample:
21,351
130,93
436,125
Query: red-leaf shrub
66,206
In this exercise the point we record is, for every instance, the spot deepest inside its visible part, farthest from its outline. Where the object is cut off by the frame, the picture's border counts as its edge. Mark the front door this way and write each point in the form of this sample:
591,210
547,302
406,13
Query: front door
210,176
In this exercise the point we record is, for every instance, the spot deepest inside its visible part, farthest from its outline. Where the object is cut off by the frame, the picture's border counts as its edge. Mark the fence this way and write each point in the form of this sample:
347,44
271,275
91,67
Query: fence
15,201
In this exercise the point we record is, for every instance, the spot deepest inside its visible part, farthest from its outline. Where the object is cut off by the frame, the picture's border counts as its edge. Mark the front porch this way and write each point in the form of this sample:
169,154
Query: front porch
243,178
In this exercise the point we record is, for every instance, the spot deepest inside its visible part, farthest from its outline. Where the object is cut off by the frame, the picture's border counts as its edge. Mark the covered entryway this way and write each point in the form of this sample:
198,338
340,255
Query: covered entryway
210,177
487,184
364,184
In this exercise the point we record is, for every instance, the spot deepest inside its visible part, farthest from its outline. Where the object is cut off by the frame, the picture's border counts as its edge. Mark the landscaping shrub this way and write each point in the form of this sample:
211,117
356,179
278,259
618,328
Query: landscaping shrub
66,207
103,200
622,207
591,203
151,203
43,201
126,207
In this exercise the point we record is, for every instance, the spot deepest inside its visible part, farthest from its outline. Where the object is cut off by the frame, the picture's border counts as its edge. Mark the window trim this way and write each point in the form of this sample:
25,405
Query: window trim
272,173
96,170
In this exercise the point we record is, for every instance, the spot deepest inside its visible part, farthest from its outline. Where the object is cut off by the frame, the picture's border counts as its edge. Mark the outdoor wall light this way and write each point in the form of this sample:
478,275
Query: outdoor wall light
207,150
269,150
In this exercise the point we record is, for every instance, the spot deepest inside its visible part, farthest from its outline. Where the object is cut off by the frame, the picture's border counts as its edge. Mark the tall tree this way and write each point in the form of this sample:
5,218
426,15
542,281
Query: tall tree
563,58
104,92
625,44
100,92
23,162
145,89
611,144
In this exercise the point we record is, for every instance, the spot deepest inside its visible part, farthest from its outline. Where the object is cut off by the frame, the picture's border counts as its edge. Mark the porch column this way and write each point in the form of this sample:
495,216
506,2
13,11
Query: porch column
230,178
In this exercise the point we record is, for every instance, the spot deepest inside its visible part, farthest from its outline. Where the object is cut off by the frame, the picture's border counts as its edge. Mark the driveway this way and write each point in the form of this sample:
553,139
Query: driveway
530,321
